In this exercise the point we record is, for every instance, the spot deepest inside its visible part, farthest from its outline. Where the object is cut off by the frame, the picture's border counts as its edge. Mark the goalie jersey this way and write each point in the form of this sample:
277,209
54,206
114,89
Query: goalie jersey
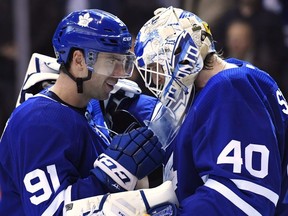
230,156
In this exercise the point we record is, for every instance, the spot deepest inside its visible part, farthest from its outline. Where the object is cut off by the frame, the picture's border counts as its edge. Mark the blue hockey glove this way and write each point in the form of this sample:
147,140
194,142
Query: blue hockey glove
129,157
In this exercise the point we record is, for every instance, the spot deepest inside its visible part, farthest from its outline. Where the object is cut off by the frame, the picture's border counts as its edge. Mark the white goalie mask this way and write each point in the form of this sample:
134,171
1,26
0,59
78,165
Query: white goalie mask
172,45
170,52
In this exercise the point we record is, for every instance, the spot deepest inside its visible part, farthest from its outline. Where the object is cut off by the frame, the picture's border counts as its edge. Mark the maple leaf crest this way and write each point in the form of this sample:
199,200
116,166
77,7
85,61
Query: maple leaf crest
85,20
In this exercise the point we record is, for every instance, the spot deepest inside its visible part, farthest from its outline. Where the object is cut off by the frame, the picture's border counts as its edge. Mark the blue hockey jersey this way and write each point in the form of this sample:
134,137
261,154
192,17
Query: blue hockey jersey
230,156
46,153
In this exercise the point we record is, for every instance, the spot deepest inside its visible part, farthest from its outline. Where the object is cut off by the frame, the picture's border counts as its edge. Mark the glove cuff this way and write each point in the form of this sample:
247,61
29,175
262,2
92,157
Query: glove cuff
116,172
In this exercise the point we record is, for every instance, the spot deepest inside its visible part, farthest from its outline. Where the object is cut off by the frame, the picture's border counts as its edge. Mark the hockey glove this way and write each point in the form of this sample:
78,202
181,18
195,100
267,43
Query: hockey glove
161,200
129,157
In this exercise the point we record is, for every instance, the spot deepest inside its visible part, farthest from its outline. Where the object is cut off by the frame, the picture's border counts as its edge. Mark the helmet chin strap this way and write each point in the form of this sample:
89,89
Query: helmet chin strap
79,80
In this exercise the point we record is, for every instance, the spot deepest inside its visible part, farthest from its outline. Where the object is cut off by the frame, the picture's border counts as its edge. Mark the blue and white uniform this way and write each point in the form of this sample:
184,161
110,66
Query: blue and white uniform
40,169
230,156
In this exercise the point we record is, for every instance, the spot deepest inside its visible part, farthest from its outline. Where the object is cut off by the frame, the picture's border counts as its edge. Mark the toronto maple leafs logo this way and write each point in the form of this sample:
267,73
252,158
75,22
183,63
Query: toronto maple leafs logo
85,20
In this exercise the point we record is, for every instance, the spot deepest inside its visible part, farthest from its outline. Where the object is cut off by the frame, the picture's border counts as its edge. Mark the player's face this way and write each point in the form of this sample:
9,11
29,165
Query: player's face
100,86
109,67
157,78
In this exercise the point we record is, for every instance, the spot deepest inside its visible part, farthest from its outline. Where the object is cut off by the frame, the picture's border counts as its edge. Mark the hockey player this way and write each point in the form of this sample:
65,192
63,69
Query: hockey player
49,155
125,100
125,109
230,155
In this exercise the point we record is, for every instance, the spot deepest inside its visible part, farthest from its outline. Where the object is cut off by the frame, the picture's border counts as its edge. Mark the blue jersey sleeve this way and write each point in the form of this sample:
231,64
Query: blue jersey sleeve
142,107
47,151
230,156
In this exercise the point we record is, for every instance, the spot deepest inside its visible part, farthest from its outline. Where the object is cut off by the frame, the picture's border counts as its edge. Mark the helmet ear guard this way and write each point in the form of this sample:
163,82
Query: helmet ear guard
91,59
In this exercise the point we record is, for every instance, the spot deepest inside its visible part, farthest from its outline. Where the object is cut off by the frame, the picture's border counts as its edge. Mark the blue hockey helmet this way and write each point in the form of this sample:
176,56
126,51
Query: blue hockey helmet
93,31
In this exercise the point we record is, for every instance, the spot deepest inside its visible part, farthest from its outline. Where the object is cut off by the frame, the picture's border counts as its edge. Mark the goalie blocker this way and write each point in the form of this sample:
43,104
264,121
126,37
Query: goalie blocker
160,200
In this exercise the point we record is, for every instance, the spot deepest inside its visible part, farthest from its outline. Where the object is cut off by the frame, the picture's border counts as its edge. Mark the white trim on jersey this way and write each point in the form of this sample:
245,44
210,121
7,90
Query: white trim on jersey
232,197
64,195
257,189
45,96
67,198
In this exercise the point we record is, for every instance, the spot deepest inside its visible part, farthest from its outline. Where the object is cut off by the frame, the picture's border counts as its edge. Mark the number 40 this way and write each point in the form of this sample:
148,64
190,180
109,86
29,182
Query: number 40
237,161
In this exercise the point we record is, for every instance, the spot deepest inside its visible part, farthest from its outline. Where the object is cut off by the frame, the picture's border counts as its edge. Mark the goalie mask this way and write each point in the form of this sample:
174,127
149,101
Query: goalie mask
170,49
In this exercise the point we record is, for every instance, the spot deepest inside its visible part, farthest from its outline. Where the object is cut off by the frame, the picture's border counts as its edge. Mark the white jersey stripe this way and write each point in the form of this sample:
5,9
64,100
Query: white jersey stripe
257,189
234,198
54,206
67,199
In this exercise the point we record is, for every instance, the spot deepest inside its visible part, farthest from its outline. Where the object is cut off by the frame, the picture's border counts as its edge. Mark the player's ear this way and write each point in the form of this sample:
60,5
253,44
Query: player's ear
78,57
78,62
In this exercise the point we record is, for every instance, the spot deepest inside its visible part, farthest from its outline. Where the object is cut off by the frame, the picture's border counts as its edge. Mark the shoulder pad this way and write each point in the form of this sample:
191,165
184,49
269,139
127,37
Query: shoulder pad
41,68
